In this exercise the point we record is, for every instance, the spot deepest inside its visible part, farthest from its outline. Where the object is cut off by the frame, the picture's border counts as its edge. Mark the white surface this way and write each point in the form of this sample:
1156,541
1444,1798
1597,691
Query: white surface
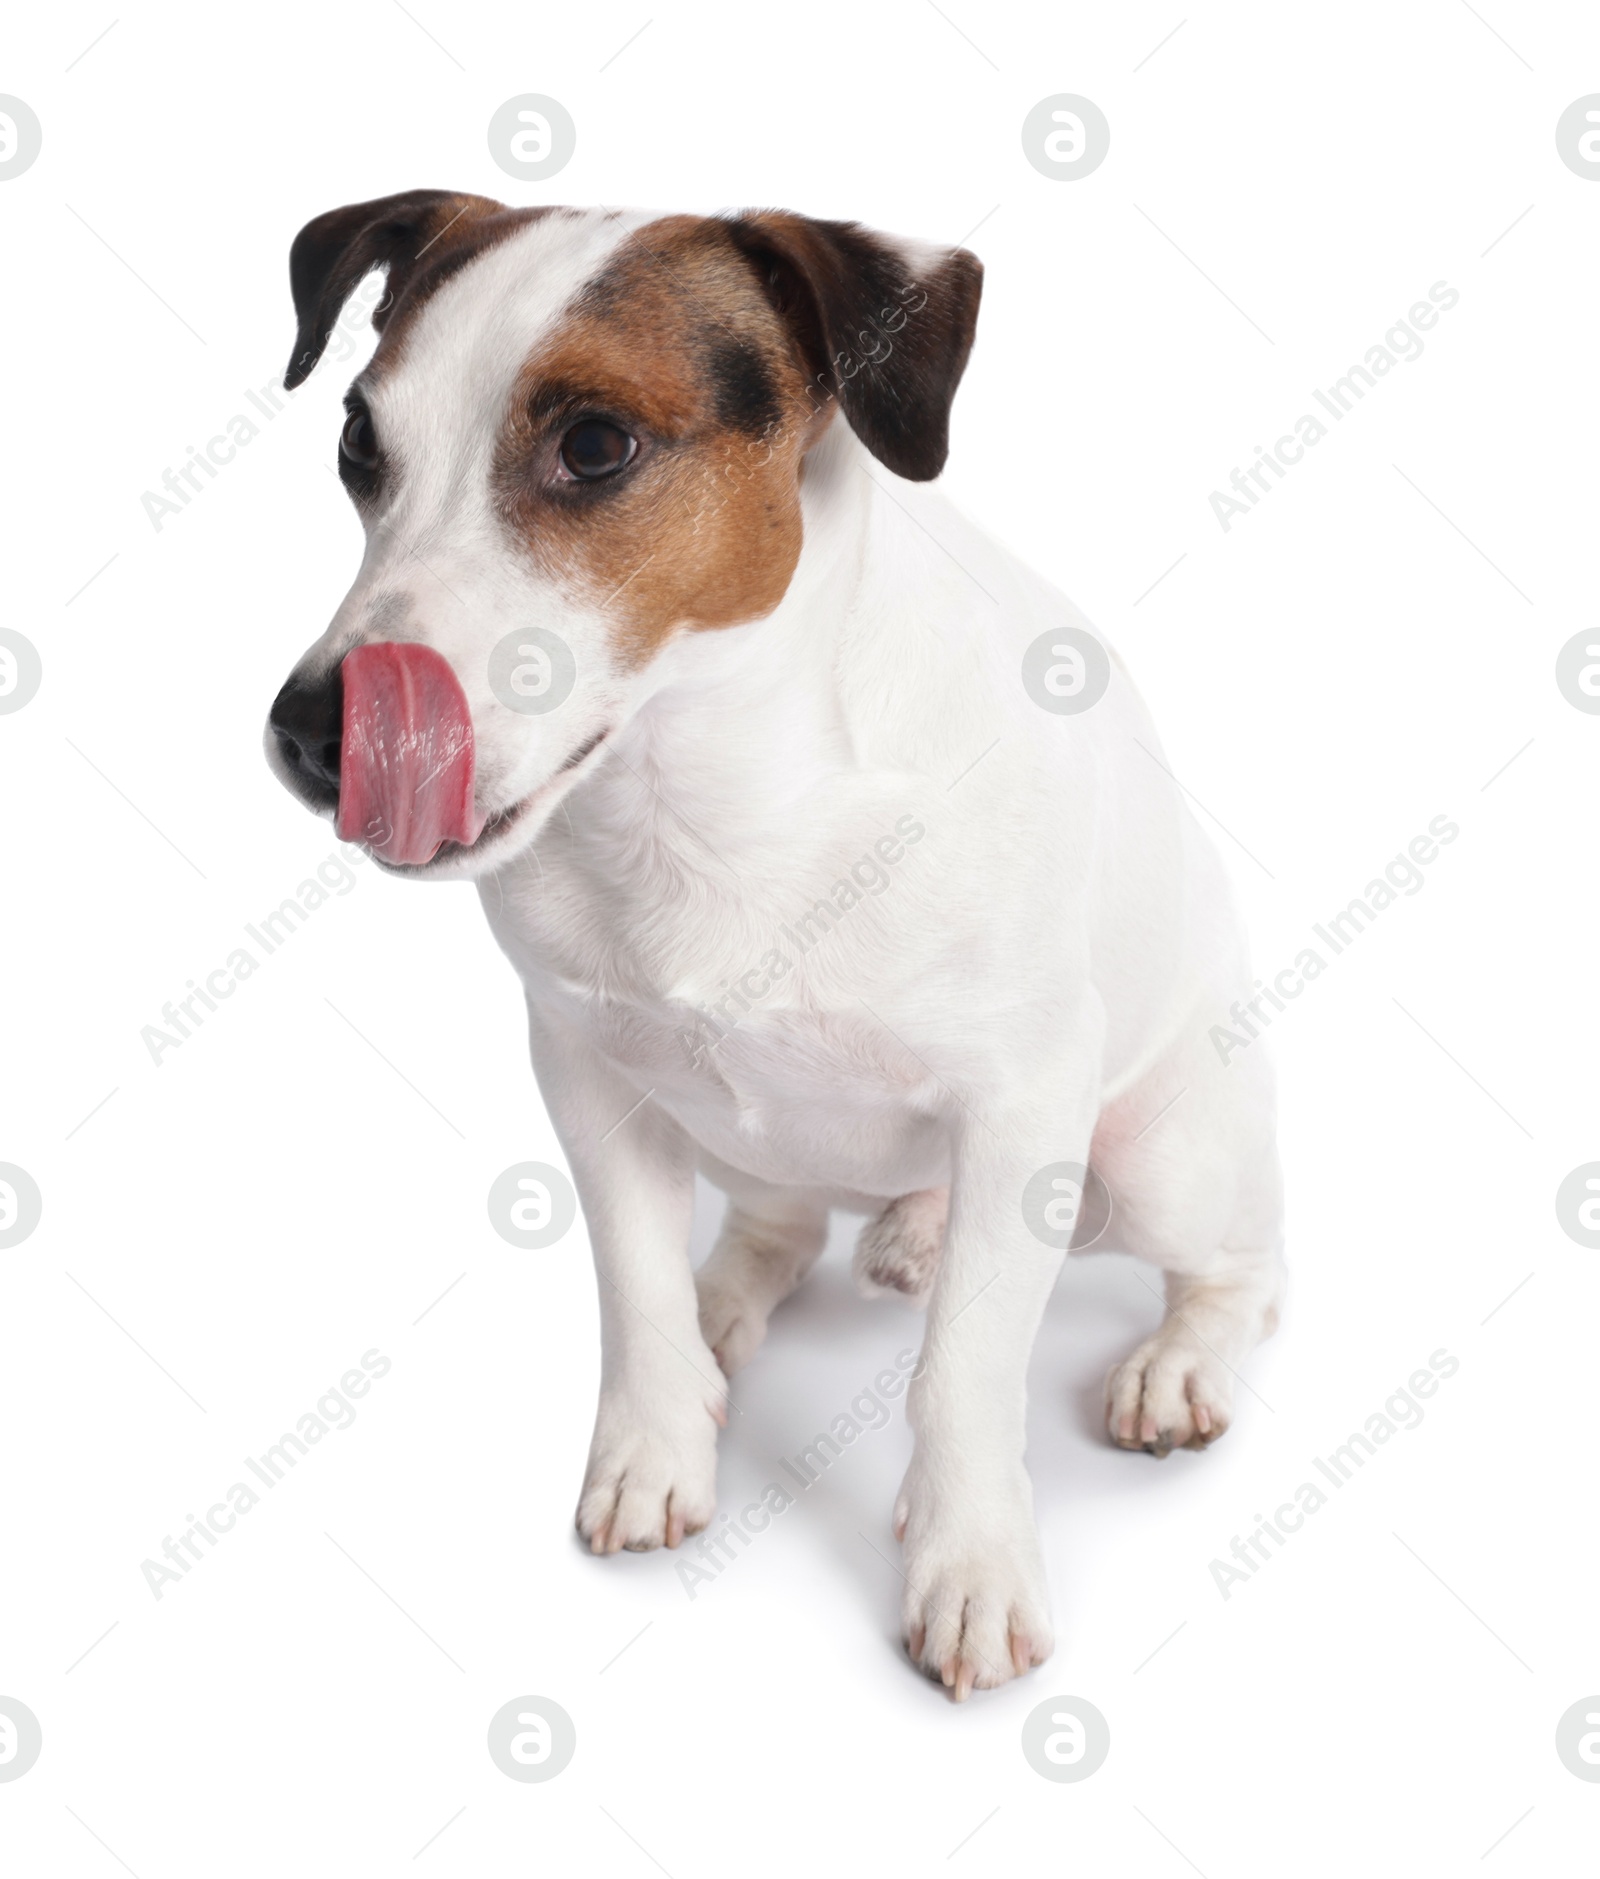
274,1200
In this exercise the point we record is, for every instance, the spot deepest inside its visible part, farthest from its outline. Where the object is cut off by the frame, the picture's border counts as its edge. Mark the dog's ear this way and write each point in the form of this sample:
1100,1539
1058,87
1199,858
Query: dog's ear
333,254
883,326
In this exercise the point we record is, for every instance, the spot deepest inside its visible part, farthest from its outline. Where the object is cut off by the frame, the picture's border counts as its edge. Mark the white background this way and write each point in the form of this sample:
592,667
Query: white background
1364,652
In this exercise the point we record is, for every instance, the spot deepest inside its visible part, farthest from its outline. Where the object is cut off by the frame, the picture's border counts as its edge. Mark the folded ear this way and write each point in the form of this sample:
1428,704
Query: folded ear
882,325
333,254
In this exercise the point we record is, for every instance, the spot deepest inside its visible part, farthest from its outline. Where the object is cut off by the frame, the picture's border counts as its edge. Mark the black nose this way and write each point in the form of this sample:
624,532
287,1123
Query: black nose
307,718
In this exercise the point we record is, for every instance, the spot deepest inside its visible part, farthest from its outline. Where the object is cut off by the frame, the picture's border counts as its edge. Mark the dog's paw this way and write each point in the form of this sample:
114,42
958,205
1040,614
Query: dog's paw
651,1477
754,1266
976,1609
733,1313
1171,1393
899,1251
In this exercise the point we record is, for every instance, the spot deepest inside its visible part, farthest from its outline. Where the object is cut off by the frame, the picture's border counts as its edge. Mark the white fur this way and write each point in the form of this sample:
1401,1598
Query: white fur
1034,983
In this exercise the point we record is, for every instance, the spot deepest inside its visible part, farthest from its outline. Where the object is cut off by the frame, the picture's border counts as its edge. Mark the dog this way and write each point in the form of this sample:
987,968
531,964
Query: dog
835,852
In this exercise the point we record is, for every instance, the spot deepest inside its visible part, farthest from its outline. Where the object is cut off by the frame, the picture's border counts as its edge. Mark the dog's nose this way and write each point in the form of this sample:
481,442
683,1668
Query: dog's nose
307,718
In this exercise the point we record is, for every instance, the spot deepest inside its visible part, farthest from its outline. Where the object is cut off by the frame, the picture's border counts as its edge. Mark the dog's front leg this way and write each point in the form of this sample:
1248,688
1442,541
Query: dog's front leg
651,1476
976,1605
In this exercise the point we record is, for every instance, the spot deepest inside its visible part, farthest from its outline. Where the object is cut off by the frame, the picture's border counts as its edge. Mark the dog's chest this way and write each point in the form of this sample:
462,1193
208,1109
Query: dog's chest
754,1040
789,1094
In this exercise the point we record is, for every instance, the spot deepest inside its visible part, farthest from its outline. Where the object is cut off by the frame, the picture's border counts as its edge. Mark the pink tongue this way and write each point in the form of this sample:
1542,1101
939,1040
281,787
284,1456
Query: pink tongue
405,763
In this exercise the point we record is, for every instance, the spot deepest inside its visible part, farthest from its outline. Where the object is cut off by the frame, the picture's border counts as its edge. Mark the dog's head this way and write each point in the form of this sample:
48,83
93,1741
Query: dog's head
581,436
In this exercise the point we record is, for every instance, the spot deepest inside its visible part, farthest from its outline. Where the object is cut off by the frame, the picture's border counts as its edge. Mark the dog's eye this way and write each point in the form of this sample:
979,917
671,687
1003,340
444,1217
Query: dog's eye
595,448
358,441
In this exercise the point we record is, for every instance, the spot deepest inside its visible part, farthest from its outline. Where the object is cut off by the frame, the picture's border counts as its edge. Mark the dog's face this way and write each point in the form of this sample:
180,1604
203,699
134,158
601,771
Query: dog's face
581,436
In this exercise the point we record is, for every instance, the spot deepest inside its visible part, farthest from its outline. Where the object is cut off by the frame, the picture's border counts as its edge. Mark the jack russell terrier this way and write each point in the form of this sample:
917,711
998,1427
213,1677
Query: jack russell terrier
835,853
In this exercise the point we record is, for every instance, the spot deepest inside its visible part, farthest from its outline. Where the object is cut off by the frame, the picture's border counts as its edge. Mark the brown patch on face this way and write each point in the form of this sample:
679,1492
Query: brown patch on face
676,344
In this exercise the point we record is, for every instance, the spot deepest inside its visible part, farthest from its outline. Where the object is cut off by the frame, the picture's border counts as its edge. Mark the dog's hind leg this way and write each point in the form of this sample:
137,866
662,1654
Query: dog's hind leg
769,1242
1189,1159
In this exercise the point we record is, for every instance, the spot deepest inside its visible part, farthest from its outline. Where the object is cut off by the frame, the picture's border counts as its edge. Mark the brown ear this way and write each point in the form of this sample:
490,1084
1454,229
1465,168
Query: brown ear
333,254
885,327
